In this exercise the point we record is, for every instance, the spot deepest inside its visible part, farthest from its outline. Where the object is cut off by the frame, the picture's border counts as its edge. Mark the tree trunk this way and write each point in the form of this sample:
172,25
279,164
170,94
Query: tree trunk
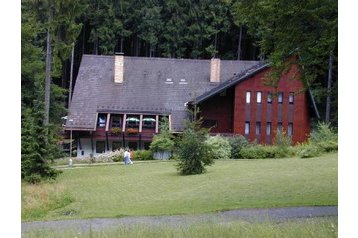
216,44
48,68
329,83
239,45
71,76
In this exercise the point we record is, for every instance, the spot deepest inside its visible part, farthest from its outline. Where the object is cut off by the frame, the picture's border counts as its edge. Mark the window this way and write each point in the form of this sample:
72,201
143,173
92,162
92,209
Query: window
116,121
100,146
291,98
248,96
268,128
280,97
132,121
258,97
101,122
269,97
290,129
207,123
148,122
279,126
258,128
116,145
247,128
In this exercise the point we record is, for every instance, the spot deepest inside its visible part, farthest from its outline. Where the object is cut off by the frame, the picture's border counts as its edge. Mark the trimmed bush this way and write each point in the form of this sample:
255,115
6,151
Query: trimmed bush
220,147
142,155
237,143
309,151
265,152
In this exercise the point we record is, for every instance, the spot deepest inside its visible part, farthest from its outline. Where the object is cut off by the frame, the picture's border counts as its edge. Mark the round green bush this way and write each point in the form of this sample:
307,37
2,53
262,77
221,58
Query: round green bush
220,147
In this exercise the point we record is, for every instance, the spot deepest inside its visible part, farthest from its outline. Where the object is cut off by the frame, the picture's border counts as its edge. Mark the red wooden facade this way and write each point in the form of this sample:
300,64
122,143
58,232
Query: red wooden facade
231,111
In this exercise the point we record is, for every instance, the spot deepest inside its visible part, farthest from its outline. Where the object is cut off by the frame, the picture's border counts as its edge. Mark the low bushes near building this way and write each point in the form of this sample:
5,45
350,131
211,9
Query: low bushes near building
163,143
142,155
237,143
220,146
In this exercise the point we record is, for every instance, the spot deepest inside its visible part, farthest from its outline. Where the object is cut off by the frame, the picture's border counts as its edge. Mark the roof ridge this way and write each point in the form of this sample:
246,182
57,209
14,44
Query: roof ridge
237,78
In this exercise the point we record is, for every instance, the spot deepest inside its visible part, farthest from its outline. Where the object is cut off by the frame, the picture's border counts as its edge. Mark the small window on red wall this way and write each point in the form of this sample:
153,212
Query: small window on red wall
258,128
258,97
248,96
247,128
280,97
291,98
290,129
269,97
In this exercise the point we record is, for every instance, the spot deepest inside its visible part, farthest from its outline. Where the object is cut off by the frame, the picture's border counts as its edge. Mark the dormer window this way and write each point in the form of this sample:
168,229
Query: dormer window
101,122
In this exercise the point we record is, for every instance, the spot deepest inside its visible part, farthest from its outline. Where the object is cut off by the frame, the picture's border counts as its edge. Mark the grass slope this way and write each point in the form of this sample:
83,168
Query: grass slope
156,188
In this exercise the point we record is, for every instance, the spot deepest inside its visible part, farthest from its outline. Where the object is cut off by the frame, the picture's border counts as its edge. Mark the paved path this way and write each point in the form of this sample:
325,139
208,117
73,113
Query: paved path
251,215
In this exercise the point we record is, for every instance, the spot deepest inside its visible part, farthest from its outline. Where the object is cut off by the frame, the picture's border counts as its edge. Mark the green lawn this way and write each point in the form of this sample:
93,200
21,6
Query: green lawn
157,189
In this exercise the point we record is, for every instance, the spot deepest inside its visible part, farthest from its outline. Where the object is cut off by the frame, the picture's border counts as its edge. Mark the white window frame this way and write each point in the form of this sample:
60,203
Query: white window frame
259,97
248,97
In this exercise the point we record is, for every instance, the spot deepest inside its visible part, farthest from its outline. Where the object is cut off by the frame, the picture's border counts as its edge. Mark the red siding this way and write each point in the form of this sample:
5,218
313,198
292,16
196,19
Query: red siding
286,85
219,108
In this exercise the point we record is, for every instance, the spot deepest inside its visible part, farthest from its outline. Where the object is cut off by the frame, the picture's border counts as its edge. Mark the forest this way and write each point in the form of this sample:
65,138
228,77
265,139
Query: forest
56,33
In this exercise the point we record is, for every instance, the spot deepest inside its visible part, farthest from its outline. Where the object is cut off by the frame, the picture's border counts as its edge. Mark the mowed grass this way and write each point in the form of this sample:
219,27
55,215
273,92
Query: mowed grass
298,228
157,189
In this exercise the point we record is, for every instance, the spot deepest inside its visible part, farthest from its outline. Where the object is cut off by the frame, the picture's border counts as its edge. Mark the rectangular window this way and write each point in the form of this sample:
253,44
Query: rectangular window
268,128
248,97
102,118
280,97
279,126
100,146
291,98
269,97
148,122
258,128
290,129
116,121
247,128
258,97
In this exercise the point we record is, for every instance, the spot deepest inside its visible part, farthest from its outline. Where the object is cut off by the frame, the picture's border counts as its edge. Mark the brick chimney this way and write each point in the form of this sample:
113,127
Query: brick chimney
215,70
118,67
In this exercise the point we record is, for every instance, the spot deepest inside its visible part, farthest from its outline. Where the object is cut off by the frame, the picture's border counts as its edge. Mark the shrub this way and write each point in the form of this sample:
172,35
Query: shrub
309,150
163,141
220,147
323,132
142,155
264,151
192,151
237,143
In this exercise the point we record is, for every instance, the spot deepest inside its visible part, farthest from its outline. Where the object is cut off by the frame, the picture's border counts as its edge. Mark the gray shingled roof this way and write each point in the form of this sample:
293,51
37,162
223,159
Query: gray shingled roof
144,88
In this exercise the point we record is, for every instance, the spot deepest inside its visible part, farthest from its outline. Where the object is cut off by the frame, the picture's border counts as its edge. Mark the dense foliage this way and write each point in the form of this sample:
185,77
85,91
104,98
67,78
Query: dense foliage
192,150
164,141
220,146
